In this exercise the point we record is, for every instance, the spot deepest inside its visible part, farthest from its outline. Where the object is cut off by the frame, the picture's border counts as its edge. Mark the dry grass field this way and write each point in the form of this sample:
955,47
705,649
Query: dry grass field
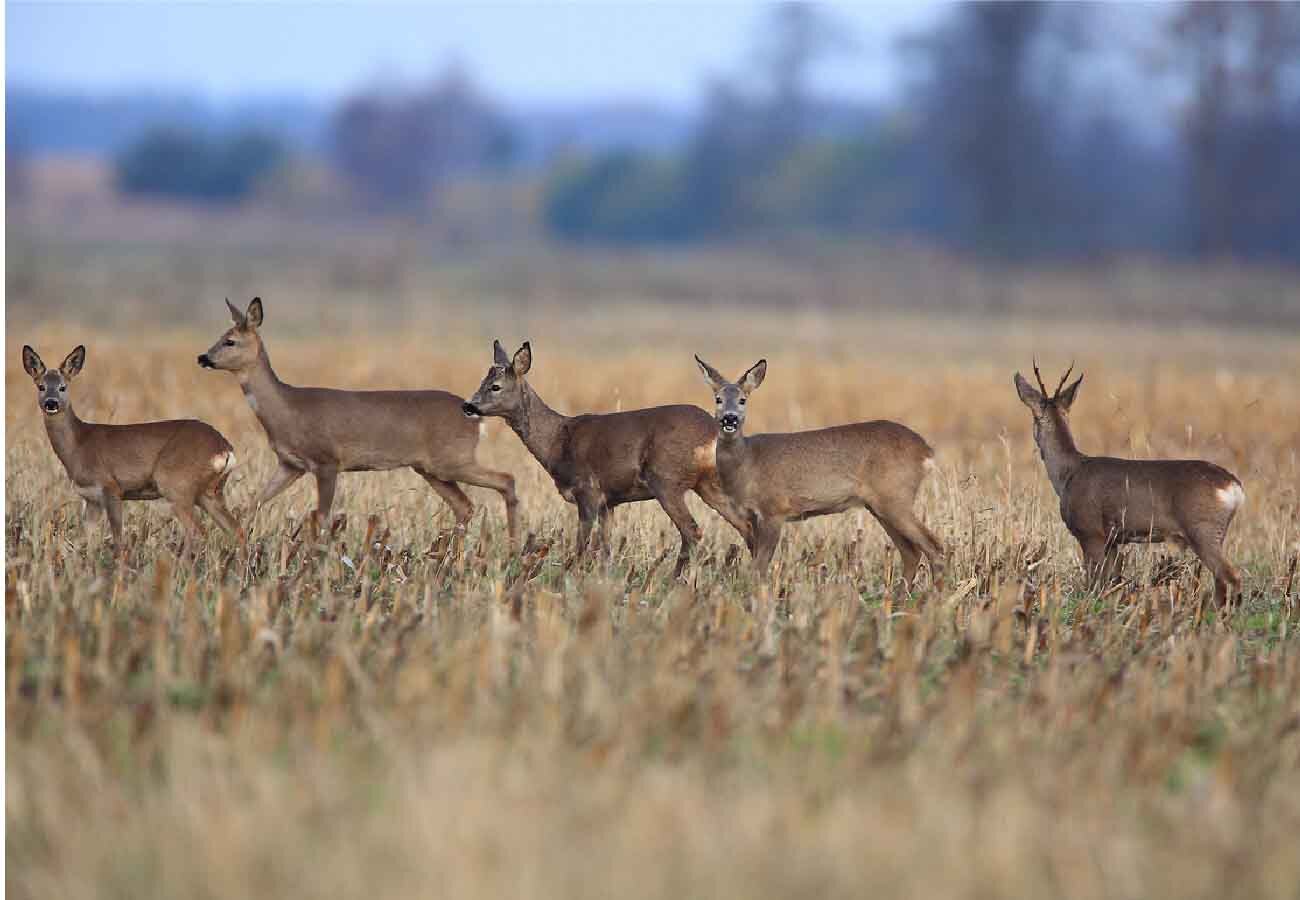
383,713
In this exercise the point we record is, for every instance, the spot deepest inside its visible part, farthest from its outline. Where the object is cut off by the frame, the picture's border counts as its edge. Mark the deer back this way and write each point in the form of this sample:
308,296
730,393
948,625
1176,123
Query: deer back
624,451
1136,500
825,469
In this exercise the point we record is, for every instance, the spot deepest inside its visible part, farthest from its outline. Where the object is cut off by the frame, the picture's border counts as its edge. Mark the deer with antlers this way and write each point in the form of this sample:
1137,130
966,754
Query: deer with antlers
1108,502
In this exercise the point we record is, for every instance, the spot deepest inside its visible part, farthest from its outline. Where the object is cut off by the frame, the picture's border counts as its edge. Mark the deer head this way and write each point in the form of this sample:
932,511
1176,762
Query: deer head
502,391
1051,411
52,384
731,398
240,347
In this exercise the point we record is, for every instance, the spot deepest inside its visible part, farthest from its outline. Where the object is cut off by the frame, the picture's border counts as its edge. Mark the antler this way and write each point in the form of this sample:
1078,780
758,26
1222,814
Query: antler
1064,378
1039,376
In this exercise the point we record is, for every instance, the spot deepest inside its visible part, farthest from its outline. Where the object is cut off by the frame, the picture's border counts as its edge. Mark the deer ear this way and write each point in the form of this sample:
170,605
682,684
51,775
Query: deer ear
72,365
499,356
235,315
1028,394
32,363
754,377
1066,397
712,377
254,316
523,360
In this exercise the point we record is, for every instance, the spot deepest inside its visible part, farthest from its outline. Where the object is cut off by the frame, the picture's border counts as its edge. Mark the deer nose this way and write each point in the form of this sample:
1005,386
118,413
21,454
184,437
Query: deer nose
51,406
204,361
470,410
730,421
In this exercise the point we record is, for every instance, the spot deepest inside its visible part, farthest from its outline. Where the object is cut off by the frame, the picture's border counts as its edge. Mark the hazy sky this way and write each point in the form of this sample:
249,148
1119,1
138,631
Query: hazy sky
539,52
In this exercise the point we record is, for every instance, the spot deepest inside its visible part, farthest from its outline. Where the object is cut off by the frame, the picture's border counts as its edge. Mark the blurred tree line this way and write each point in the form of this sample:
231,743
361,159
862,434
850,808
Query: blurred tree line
173,162
1013,137
1003,144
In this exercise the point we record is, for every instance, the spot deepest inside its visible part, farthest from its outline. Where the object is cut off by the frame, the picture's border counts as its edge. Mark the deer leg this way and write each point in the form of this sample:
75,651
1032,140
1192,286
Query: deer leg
215,505
326,480
455,497
711,492
280,480
924,539
90,513
1098,557
674,503
767,534
113,509
602,530
183,509
910,553
903,523
1227,582
588,511
504,484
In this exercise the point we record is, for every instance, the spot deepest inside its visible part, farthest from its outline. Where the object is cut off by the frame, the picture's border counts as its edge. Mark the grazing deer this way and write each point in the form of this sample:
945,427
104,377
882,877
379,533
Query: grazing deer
777,478
184,461
1108,502
599,461
326,431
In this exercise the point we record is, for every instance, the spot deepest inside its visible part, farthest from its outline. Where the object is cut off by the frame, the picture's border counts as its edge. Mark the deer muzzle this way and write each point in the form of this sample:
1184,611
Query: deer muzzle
50,406
470,410
729,422
205,362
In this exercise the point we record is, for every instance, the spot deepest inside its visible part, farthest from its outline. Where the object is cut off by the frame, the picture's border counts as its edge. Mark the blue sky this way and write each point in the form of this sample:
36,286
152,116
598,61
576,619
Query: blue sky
536,53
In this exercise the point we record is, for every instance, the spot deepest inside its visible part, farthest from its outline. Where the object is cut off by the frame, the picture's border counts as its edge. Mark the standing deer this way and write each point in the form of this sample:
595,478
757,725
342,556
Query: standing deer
777,478
326,431
1108,502
184,461
599,461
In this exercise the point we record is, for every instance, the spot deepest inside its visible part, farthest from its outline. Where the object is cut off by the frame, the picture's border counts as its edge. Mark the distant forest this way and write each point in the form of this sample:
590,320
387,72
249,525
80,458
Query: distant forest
1021,130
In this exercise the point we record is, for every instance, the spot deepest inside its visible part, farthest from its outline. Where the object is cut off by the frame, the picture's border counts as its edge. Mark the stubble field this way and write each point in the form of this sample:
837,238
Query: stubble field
386,712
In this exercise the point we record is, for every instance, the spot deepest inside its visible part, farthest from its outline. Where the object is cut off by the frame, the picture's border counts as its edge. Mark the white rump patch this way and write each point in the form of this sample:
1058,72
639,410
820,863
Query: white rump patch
1231,496
224,462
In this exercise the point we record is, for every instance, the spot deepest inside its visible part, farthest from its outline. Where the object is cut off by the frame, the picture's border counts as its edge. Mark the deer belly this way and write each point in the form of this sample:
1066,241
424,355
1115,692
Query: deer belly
1146,536
289,457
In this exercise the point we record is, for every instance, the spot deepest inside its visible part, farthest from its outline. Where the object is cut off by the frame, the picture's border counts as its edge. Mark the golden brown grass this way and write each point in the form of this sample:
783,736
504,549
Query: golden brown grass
417,721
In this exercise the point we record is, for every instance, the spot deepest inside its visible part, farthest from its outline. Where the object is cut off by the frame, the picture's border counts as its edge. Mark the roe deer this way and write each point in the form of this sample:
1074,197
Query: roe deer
599,461
777,478
326,431
184,461
1108,502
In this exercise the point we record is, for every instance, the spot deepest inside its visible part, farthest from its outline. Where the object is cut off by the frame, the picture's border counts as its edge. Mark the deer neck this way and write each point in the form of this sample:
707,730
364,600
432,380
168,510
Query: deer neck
732,449
66,433
1060,455
733,458
539,427
263,389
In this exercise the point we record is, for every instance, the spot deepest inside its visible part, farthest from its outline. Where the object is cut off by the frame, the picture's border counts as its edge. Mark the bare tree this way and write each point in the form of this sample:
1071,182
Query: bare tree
1242,116
398,148
989,123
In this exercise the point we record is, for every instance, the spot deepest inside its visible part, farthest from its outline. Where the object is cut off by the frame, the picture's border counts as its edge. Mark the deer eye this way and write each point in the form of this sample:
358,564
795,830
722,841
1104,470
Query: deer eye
742,401
63,388
227,343
717,400
495,388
